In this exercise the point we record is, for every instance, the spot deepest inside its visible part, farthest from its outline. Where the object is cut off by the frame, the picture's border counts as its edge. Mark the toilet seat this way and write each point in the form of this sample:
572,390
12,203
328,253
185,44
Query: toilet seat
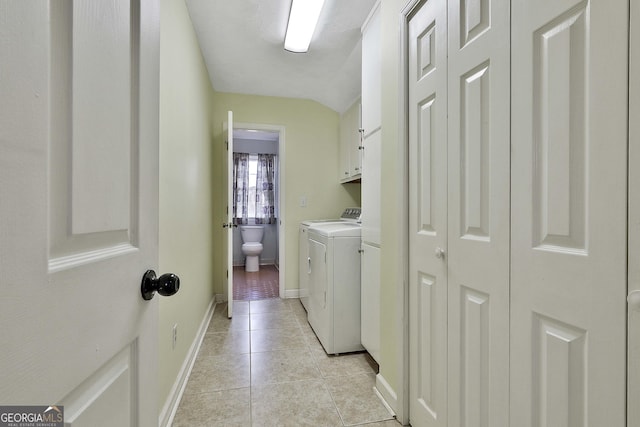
252,248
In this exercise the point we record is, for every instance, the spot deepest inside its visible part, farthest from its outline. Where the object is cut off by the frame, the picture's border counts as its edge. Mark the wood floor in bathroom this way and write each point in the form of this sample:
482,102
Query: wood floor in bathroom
258,285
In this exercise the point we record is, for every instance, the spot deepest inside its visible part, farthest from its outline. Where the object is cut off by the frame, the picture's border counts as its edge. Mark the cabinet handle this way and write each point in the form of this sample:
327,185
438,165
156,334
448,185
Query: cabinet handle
361,147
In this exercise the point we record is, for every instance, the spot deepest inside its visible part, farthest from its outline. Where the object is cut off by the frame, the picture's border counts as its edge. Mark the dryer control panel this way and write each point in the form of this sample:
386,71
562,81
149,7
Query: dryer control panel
352,214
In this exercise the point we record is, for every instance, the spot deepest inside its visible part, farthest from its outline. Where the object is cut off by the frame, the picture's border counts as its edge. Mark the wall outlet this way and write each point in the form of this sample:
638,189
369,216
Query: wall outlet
174,338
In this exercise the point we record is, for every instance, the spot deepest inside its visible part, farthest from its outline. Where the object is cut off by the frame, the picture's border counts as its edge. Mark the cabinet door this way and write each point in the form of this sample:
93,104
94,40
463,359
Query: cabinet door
350,157
370,300
354,138
344,170
371,73
371,188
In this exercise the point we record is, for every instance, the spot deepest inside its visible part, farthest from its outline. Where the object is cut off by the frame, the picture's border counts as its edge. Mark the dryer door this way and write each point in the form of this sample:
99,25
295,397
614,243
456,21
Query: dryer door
317,311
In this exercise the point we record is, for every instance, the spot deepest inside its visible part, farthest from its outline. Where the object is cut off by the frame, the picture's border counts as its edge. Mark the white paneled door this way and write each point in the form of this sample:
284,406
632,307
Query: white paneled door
229,225
459,229
428,214
517,201
478,213
569,213
78,208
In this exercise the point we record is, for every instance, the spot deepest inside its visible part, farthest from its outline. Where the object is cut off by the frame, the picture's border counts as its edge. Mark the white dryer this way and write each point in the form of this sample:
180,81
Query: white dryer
334,286
348,215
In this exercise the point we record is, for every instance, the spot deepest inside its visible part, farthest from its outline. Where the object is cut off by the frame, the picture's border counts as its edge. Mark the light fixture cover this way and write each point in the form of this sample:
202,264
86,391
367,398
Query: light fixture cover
303,18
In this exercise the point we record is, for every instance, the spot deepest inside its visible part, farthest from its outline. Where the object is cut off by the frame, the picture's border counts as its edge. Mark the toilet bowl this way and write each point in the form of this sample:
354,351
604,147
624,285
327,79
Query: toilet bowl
252,246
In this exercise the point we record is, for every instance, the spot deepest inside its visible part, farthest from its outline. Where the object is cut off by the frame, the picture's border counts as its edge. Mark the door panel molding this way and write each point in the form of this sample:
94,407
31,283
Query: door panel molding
94,190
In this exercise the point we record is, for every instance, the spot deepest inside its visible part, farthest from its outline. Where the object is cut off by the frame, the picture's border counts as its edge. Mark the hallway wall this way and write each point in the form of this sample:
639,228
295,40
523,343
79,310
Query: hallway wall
186,169
392,191
310,166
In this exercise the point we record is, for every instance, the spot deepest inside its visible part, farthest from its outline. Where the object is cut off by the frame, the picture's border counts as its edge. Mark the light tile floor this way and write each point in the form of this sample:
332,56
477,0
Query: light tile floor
265,367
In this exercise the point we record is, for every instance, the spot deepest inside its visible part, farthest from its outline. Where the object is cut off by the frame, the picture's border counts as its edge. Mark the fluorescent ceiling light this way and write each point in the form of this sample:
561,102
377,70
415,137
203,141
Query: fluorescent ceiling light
303,18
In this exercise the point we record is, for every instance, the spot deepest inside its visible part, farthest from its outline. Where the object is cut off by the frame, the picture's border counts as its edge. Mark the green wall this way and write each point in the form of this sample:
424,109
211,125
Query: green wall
186,202
393,170
310,166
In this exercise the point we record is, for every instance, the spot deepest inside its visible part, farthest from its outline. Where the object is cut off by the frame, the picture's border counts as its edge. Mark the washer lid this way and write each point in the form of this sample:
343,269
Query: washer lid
345,229
309,222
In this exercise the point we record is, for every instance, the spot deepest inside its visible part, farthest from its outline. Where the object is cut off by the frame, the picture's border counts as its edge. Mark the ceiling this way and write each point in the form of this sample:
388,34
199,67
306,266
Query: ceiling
242,44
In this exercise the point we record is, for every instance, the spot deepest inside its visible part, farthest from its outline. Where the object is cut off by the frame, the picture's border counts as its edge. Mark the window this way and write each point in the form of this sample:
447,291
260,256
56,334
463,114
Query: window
253,173
254,187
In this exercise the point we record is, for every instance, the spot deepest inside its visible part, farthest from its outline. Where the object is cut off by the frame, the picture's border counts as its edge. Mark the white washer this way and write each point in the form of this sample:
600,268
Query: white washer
334,286
348,215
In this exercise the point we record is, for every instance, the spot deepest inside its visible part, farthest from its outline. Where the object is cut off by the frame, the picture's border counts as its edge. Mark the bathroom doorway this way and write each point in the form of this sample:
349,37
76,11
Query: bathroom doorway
260,148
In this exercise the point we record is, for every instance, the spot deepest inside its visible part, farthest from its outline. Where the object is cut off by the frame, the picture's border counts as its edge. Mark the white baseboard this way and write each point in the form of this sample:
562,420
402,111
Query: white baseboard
292,293
389,396
171,405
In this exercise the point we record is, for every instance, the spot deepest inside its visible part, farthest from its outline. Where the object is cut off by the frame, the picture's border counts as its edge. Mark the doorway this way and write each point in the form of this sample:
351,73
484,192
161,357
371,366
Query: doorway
258,144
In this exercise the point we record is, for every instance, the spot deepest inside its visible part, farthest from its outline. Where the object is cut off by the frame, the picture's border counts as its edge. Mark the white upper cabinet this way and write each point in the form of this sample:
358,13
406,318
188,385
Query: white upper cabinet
350,143
371,72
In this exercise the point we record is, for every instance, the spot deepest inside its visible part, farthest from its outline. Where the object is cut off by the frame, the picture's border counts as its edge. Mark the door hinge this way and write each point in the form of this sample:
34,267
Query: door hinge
226,143
227,273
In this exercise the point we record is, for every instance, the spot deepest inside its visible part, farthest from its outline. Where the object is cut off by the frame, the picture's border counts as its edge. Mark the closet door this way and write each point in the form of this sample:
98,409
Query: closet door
478,223
428,214
569,197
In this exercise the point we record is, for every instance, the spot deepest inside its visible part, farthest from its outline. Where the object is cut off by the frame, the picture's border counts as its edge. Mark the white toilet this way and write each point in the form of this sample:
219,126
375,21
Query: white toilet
252,246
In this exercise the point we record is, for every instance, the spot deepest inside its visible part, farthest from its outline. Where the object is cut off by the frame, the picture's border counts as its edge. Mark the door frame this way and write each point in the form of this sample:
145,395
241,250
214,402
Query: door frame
280,199
403,394
633,278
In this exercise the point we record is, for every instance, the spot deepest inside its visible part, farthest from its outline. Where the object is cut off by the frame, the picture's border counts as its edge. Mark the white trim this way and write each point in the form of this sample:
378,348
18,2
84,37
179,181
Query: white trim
89,257
173,400
633,316
386,394
292,293
403,395
372,12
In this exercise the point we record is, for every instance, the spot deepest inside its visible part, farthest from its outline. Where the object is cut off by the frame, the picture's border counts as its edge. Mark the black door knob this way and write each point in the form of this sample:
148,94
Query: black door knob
166,285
